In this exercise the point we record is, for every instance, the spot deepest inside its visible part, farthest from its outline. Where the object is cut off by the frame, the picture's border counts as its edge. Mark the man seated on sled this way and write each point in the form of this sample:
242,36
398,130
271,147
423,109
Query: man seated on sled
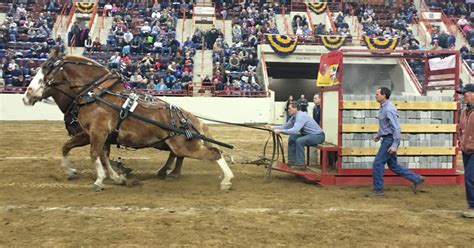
303,131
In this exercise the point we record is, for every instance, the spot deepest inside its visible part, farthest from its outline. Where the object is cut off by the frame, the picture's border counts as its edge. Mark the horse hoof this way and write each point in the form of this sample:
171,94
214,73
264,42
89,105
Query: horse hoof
120,182
97,188
72,176
226,186
171,177
132,182
161,176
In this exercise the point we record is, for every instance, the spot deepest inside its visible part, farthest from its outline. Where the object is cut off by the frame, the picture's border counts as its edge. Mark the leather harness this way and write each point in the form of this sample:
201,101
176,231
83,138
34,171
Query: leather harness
92,92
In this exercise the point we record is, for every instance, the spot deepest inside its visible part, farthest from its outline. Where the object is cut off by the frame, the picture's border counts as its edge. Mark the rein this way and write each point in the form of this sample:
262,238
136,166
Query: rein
277,141
163,126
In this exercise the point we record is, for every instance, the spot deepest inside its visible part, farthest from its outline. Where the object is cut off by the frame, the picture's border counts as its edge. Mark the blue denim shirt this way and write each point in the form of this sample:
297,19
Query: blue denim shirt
301,123
389,122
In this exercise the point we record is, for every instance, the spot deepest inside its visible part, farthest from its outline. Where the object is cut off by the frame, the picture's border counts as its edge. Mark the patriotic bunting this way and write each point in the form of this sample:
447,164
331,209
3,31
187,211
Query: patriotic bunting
381,43
317,8
85,8
282,44
333,42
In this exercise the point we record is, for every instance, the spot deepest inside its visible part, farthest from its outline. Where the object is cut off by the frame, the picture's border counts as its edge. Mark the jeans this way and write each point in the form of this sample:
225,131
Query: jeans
382,158
468,160
296,144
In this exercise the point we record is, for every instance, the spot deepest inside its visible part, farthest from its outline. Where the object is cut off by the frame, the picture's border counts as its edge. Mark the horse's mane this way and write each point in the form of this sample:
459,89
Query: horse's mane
156,104
76,57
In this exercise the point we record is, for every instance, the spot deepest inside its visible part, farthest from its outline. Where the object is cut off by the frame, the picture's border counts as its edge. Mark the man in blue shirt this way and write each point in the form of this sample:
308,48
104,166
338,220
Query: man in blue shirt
303,131
389,131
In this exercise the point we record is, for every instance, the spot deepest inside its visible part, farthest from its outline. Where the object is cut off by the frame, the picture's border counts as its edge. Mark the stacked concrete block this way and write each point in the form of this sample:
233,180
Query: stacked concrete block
348,97
405,116
407,139
412,162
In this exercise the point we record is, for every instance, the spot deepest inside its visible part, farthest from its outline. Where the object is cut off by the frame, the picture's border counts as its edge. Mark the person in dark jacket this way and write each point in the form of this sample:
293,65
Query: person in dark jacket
317,109
466,143
303,103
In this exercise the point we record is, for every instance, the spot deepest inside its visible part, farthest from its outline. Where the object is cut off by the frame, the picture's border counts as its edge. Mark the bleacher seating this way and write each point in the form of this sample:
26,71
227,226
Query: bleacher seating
153,28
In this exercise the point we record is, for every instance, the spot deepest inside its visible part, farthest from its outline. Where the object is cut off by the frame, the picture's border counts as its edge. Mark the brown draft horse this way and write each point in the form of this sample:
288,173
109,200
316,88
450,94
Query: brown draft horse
78,138
79,78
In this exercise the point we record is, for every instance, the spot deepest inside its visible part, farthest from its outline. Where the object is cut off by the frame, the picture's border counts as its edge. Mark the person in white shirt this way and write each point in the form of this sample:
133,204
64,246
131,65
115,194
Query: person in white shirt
156,15
137,81
108,8
158,46
462,21
21,9
299,31
128,37
114,60
146,29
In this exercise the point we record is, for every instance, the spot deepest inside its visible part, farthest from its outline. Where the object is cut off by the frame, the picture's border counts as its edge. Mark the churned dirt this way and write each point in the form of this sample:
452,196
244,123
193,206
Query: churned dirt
39,206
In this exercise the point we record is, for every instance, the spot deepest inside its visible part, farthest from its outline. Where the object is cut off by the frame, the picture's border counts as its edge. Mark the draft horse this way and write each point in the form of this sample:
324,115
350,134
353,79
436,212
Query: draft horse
108,116
78,138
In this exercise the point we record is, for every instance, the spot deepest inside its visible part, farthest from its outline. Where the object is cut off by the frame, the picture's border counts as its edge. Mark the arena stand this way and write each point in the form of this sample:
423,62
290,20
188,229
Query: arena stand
154,52
458,18
144,35
25,38
142,44
235,64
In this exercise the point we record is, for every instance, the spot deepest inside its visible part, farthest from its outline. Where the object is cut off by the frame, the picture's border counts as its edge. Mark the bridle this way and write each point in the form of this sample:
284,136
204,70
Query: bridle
54,66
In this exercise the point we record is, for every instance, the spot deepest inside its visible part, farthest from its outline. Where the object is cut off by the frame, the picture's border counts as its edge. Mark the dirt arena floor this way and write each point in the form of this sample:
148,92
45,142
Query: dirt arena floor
39,206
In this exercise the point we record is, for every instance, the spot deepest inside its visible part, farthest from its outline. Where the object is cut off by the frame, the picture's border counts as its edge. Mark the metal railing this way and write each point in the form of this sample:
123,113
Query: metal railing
193,22
469,69
203,47
168,92
331,20
285,21
183,27
73,44
70,15
92,19
264,70
418,85
310,18
59,20
102,22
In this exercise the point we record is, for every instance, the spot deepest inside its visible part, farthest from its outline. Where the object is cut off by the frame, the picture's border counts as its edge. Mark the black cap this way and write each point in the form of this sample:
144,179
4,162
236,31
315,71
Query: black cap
466,88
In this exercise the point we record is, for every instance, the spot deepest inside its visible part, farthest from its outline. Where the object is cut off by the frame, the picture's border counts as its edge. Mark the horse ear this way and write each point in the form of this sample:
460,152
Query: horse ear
54,52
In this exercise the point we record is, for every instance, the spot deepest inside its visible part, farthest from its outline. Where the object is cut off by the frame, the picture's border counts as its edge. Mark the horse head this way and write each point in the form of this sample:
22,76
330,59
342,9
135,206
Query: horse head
62,75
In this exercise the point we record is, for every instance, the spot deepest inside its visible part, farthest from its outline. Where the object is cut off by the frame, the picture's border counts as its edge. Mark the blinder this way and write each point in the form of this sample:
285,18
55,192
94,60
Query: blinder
50,66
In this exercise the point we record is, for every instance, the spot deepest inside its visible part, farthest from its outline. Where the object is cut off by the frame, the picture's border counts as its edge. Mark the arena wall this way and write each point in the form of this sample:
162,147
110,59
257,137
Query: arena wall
239,110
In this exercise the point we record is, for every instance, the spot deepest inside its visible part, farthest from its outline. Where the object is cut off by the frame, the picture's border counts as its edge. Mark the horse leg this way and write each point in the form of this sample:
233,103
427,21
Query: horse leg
177,169
214,154
162,173
206,153
104,158
97,141
228,175
78,140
